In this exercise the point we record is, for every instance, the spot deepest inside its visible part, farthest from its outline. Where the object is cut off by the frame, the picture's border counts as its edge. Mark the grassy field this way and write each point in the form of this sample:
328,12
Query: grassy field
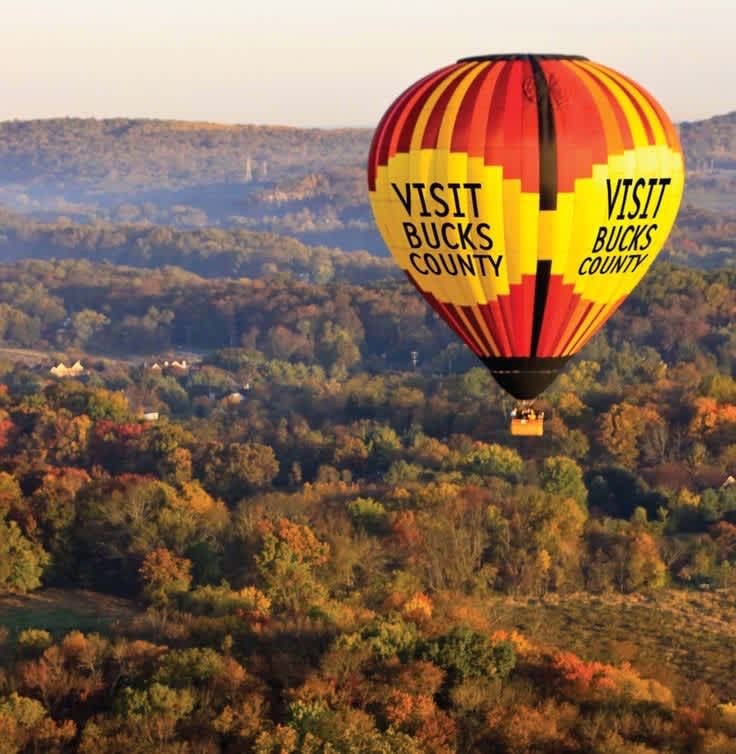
683,639
60,611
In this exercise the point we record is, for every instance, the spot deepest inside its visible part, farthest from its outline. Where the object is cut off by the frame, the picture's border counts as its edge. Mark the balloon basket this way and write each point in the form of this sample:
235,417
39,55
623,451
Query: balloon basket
527,422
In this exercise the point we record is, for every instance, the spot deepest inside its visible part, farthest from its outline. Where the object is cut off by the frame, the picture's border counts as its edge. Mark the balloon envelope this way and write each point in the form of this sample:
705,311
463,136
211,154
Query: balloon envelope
525,196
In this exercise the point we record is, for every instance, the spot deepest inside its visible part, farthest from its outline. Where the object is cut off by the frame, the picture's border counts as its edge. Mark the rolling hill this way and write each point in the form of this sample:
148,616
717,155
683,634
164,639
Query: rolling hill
303,183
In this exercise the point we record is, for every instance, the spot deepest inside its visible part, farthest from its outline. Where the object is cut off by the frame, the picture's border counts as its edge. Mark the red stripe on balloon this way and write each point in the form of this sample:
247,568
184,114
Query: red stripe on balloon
434,122
491,313
561,302
465,126
597,327
380,147
579,316
404,130
446,311
470,314
449,312
579,131
624,129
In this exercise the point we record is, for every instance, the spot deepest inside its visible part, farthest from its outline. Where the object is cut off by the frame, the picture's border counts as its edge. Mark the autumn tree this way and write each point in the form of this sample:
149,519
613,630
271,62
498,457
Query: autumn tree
287,562
235,470
164,575
621,429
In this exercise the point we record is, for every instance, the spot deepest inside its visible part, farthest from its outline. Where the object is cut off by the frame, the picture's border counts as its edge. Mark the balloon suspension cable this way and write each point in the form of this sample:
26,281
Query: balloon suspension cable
522,407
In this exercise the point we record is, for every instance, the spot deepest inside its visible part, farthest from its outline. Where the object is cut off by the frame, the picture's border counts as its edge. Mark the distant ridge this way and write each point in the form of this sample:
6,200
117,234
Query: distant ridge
307,183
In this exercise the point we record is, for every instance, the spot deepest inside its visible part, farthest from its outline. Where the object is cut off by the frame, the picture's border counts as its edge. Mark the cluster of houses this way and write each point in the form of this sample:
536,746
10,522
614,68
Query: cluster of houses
61,370
77,369
182,366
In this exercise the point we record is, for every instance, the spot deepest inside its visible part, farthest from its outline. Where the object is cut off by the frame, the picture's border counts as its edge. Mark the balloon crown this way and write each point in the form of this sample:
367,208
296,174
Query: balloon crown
520,56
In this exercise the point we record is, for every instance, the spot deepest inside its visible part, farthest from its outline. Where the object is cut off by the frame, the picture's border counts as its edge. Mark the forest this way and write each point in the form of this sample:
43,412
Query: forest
298,542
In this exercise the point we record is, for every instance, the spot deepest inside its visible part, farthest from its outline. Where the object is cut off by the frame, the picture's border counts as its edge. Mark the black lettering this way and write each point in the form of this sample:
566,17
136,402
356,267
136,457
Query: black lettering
641,259
629,260
405,200
445,228
473,187
480,259
433,189
663,182
638,232
623,235
481,229
420,190
650,230
432,263
434,242
618,263
627,184
600,240
612,199
466,264
464,230
451,257
412,237
607,264
635,196
455,188
496,263
582,264
613,238
596,263
652,183
413,259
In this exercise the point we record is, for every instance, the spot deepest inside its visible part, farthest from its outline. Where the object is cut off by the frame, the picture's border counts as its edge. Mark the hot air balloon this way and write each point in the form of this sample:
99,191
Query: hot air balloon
525,196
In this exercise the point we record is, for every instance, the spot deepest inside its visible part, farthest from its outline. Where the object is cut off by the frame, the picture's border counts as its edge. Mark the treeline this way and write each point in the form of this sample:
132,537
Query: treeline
122,155
675,314
702,239
711,142
125,154
212,252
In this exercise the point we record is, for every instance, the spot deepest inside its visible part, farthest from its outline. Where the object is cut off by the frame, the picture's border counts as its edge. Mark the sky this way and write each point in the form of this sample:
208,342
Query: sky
326,63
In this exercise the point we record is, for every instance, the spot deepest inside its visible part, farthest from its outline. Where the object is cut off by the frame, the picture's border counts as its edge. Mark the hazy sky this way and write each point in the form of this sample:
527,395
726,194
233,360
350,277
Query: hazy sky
330,62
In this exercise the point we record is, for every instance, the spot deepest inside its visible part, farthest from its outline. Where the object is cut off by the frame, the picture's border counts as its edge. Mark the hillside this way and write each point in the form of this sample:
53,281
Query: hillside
305,183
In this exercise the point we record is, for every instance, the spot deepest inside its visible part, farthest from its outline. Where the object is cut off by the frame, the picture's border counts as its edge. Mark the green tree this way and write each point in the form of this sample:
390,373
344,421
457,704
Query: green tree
22,562
494,460
562,476
86,324
465,653
368,514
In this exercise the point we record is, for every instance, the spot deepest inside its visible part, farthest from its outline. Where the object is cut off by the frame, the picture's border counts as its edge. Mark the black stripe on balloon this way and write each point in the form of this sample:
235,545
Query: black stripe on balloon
541,288
547,139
